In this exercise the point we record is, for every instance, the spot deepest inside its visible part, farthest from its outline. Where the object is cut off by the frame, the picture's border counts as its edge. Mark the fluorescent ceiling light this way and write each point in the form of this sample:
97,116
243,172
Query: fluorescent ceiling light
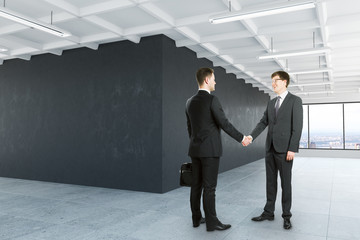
33,23
264,11
320,70
322,98
310,51
2,49
311,84
320,92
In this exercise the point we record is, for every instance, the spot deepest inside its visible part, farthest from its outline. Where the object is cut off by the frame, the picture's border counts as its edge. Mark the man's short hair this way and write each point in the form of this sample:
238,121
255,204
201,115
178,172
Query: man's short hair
202,73
282,75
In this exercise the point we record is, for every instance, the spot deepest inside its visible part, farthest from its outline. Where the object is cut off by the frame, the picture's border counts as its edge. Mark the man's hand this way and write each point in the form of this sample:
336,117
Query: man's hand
290,156
247,140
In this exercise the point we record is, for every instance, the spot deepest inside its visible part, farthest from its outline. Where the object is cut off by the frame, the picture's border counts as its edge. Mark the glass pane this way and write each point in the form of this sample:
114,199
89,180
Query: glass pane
352,125
304,141
326,126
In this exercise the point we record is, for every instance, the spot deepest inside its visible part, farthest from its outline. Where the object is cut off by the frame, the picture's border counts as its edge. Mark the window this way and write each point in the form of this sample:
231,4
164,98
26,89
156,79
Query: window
352,125
331,126
304,141
326,126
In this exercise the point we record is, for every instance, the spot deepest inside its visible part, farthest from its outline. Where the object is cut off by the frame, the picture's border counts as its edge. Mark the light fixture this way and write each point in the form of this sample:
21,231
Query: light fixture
320,92
260,12
33,23
311,84
2,49
320,70
310,51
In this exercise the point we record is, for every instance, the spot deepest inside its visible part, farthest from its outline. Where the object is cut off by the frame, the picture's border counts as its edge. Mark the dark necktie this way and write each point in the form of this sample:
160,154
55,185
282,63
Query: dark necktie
277,105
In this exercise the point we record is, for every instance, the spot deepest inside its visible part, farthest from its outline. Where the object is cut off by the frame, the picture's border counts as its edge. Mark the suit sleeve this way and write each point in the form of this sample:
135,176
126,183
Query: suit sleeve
223,122
297,125
188,120
261,125
188,124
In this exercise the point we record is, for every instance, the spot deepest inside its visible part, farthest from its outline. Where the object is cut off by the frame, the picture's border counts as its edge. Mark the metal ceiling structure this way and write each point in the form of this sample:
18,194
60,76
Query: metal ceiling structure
236,46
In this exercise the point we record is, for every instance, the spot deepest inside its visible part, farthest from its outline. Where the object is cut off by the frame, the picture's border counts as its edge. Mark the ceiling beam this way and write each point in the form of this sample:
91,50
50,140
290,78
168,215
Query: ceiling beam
58,44
187,32
146,29
288,28
12,28
262,40
193,20
219,63
25,42
66,6
106,36
322,16
226,36
205,54
158,13
25,57
105,6
347,74
111,27
242,50
185,42
343,20
58,17
57,52
93,46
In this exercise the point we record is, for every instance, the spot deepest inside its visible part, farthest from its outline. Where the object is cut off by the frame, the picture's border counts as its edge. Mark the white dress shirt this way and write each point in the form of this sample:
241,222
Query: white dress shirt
203,89
282,97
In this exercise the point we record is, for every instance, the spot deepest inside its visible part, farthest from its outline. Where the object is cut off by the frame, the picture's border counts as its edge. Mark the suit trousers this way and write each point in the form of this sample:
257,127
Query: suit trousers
205,175
276,162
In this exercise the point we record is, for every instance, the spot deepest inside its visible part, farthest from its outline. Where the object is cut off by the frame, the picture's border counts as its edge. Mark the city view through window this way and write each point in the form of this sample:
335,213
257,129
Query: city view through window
331,126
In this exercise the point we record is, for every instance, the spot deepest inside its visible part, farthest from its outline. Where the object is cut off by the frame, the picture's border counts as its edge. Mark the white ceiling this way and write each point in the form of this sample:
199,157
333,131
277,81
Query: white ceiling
234,46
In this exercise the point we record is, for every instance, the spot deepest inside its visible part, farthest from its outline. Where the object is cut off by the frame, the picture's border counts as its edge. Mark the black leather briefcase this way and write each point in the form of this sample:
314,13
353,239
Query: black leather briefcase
186,174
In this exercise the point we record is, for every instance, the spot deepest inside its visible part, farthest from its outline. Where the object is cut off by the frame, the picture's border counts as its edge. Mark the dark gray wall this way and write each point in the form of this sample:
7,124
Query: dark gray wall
114,117
243,105
86,117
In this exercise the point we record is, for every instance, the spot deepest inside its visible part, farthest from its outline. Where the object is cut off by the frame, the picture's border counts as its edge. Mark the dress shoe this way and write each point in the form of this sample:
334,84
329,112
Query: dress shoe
287,223
219,226
263,217
197,223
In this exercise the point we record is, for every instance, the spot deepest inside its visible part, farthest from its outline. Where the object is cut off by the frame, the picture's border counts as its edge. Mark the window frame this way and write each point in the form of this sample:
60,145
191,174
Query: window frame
343,127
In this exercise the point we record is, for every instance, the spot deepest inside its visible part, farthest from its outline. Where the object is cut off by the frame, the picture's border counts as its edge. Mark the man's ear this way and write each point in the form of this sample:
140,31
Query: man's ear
206,80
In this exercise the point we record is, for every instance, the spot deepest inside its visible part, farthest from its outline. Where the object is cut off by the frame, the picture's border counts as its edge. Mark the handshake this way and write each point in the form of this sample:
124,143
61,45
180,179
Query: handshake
247,140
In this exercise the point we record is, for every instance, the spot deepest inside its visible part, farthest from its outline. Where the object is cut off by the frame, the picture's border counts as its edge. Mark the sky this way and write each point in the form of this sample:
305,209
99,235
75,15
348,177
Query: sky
327,118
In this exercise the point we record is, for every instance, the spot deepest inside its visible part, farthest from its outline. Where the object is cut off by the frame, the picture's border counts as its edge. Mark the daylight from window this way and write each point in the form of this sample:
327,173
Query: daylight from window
352,125
331,126
304,141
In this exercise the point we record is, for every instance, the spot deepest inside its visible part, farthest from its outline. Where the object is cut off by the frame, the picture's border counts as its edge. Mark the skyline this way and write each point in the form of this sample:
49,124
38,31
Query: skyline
327,125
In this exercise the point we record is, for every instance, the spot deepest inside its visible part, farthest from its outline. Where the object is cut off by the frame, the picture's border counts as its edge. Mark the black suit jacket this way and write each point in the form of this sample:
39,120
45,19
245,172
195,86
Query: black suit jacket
205,118
284,131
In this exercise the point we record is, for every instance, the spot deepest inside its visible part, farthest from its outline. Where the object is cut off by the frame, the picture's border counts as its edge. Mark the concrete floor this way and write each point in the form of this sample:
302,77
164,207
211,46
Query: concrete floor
326,193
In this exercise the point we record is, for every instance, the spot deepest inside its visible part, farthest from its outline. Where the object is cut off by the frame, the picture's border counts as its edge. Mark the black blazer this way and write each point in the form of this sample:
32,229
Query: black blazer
284,131
205,118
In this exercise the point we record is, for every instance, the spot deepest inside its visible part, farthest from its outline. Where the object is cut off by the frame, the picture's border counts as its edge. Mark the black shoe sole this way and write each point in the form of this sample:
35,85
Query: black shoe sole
213,229
269,219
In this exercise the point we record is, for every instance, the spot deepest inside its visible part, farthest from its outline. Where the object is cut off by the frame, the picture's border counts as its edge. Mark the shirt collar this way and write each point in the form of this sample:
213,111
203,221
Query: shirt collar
203,89
283,95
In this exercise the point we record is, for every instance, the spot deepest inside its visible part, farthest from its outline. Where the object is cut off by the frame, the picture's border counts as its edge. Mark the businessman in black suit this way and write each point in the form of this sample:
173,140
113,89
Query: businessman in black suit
284,119
205,118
